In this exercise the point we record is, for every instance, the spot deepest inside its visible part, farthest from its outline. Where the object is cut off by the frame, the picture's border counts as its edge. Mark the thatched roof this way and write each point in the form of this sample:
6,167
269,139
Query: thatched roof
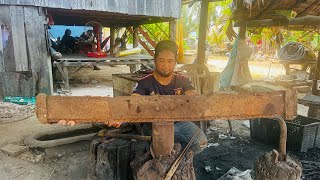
244,11
266,13
265,9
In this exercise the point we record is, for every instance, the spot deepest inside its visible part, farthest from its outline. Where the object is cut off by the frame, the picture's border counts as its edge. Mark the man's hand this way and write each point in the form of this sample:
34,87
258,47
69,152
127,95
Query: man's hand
114,124
68,123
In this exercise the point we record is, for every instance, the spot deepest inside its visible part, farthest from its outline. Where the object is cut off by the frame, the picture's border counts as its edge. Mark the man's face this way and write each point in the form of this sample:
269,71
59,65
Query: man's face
165,63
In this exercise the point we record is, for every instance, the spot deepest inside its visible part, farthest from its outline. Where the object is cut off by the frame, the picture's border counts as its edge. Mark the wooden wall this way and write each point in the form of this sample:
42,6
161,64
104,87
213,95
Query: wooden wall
25,68
157,8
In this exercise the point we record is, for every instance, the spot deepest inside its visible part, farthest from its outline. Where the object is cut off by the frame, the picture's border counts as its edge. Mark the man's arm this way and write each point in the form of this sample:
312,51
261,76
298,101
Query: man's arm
188,87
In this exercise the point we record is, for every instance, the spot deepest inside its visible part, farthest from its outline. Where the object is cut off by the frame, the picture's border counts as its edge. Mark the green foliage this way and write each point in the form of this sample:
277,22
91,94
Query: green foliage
306,37
219,15
155,33
190,18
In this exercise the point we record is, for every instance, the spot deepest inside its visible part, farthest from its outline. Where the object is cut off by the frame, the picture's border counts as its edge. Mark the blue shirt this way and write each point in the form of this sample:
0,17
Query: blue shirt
150,86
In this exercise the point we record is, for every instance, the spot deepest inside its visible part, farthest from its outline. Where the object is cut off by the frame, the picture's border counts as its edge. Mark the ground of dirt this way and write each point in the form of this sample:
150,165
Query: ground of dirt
71,161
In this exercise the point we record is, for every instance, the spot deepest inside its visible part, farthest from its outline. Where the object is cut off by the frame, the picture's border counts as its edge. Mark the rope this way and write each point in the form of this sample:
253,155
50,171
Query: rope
292,51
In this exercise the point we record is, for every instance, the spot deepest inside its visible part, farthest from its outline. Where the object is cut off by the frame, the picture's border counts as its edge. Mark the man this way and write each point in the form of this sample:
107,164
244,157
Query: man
89,44
163,81
68,41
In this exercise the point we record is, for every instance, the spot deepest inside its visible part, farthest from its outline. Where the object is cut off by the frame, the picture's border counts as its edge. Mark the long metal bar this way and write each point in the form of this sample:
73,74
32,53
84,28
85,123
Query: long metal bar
176,163
88,109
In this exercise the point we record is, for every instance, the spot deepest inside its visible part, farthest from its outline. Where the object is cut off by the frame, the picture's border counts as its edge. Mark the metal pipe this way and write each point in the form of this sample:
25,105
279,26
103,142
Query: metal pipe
283,139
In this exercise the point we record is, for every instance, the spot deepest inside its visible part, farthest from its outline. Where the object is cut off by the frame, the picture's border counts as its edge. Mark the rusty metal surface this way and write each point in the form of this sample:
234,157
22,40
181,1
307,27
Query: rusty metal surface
283,139
51,109
162,138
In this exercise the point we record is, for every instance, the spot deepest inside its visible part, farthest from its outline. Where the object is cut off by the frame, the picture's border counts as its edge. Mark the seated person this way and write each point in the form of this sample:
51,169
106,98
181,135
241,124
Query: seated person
88,44
68,42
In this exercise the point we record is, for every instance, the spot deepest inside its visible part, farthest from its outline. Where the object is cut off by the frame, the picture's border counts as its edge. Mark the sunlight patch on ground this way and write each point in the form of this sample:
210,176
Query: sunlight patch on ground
258,69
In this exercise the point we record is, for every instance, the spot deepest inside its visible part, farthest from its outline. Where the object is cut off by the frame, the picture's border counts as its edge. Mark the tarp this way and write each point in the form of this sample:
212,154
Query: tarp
237,72
19,100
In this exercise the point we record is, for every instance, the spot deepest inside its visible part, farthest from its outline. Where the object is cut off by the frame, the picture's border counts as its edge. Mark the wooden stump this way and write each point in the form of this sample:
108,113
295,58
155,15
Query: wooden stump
267,167
146,168
110,159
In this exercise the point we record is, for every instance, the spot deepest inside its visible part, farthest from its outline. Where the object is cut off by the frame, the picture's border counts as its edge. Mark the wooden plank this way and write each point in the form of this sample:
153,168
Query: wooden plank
132,7
16,84
8,48
84,58
175,9
141,7
173,30
19,38
44,3
147,37
150,7
88,4
97,5
168,7
112,6
123,6
135,37
1,49
37,50
76,64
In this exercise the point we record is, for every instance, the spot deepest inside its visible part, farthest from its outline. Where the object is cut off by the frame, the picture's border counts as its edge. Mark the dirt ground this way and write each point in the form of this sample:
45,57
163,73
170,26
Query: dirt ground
71,161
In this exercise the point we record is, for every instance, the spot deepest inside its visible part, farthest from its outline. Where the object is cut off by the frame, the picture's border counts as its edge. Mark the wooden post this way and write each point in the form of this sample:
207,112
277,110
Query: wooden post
202,32
242,32
314,110
172,29
112,37
135,36
315,90
201,57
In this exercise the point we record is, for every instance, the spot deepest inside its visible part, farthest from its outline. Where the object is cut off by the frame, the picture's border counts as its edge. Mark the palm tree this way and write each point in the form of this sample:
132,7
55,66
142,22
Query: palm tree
219,15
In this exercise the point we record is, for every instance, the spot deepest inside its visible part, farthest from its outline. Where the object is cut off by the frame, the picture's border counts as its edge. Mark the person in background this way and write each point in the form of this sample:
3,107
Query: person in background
68,42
